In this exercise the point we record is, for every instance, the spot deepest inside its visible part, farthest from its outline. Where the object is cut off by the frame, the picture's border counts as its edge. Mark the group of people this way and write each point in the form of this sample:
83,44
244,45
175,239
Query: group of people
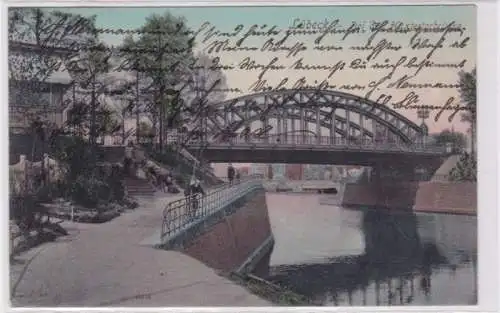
164,181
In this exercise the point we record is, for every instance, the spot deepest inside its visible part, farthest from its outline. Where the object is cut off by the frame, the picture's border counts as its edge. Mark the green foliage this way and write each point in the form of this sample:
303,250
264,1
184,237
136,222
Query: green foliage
45,30
90,191
275,293
79,120
468,90
85,183
162,35
465,170
146,133
47,192
163,54
456,139
115,181
27,211
21,208
75,152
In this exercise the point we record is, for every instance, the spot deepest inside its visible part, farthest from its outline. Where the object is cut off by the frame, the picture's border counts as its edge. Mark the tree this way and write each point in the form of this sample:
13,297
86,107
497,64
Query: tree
207,78
457,140
465,169
163,53
207,87
52,36
467,81
40,42
145,128
87,68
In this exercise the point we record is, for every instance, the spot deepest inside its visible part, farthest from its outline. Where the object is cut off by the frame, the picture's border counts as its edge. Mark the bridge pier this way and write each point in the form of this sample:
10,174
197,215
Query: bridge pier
391,173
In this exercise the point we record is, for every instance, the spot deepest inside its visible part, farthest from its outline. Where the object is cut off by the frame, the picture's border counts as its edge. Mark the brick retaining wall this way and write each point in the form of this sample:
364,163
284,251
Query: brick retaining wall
447,197
228,243
438,197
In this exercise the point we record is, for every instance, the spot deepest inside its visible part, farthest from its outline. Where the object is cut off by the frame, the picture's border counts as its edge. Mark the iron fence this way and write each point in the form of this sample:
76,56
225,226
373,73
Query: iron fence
181,214
297,141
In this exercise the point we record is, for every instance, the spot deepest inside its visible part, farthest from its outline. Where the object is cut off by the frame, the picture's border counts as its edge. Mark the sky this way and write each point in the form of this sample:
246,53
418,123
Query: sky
226,19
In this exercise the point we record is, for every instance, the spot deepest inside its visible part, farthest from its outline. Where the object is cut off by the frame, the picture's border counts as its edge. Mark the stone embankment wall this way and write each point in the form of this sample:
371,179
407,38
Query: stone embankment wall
432,197
239,239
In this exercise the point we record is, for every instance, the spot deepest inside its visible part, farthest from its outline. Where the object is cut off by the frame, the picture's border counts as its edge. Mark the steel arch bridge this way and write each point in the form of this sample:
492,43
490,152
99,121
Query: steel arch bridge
299,118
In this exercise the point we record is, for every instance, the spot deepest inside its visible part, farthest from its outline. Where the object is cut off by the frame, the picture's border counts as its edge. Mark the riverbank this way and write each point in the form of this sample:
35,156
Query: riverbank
276,294
111,264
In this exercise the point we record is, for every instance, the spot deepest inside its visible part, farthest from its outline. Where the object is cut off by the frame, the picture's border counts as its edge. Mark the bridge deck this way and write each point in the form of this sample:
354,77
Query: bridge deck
309,155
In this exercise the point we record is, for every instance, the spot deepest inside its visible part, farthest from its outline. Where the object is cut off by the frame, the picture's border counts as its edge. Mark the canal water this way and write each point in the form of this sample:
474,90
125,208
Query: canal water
354,257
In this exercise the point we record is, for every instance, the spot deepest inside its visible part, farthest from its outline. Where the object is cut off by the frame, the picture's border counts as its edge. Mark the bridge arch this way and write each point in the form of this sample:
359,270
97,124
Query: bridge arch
319,107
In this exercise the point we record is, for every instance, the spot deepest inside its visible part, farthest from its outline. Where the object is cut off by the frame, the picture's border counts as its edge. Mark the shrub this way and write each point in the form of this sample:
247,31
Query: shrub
90,191
117,189
75,153
50,191
115,181
465,169
24,210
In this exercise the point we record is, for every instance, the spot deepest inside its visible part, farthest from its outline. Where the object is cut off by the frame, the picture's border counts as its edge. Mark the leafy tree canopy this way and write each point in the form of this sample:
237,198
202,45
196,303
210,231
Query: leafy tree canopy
467,81
465,170
162,50
40,41
456,139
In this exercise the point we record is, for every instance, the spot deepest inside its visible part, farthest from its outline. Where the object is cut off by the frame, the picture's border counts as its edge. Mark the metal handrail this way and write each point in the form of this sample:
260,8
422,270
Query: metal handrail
176,215
323,141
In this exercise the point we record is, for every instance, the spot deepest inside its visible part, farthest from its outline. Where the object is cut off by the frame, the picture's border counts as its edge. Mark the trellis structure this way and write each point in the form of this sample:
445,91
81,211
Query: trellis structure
308,111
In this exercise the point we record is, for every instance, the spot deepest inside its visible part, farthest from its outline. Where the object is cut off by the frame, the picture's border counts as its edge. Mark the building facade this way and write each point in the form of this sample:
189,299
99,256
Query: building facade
244,170
294,171
29,98
259,169
279,171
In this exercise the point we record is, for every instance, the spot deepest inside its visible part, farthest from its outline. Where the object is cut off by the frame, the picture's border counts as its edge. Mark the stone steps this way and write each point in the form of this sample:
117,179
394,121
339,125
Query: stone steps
139,187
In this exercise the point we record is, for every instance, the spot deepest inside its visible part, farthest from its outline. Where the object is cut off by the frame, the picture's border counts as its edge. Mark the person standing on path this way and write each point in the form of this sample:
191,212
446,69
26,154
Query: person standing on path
230,173
192,194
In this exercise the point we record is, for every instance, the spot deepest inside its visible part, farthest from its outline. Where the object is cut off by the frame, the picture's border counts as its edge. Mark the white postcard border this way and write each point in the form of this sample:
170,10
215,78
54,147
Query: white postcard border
488,152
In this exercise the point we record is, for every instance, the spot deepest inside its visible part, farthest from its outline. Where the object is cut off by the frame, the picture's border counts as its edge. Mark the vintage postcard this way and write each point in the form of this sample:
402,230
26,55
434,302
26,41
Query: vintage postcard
243,156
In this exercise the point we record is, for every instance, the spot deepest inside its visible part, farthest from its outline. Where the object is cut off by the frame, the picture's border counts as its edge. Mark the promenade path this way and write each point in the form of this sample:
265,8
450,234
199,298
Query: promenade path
114,264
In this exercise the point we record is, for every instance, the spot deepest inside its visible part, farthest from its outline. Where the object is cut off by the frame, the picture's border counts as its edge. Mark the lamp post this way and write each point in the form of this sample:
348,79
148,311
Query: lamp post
423,114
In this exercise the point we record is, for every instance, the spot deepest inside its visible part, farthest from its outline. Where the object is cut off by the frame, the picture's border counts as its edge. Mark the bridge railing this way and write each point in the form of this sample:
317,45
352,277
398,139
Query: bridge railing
181,214
323,142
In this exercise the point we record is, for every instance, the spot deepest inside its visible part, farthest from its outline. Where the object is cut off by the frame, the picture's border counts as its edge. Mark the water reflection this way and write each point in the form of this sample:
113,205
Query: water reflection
387,263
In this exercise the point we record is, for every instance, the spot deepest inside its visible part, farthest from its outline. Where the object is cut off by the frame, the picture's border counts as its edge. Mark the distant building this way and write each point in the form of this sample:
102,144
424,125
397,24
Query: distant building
315,171
269,171
244,170
258,169
336,174
279,170
324,172
294,171
308,172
